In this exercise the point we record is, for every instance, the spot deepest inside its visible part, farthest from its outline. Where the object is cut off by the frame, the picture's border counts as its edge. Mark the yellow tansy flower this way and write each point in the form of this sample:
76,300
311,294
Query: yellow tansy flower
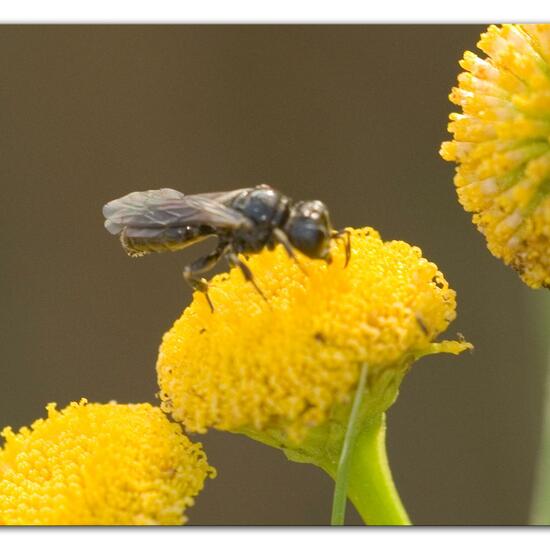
95,464
502,145
285,364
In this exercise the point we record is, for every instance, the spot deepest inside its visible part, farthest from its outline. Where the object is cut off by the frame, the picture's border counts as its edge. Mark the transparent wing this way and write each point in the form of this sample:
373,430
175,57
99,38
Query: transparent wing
224,197
168,208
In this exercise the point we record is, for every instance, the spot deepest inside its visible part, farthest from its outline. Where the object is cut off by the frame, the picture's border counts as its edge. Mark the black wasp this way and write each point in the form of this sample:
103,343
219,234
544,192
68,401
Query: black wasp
244,221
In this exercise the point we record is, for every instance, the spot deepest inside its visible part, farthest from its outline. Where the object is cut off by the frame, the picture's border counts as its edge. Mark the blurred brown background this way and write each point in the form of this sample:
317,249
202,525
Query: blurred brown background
352,115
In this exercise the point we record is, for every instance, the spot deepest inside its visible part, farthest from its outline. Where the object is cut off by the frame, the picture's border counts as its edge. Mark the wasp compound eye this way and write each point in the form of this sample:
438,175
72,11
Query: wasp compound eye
308,238
309,229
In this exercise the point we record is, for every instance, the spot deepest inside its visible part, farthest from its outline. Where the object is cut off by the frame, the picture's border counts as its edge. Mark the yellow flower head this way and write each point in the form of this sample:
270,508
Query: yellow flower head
93,464
502,145
285,362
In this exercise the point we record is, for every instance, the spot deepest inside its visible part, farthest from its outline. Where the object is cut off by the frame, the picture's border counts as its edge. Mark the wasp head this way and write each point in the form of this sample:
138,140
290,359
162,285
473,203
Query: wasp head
309,229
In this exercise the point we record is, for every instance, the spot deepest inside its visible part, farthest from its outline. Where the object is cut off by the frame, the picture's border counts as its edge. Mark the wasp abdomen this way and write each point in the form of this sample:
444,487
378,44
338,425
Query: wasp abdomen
140,241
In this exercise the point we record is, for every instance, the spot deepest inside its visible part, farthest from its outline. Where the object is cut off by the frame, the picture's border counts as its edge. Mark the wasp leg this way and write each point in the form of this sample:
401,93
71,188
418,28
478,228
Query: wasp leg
347,234
199,266
247,274
281,237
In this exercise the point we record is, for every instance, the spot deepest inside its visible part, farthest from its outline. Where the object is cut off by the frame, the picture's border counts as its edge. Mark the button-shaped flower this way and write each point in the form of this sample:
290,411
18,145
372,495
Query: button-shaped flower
502,145
284,369
95,464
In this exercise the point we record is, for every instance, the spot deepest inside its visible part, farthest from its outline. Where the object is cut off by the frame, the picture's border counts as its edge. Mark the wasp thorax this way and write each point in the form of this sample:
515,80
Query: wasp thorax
259,205
309,229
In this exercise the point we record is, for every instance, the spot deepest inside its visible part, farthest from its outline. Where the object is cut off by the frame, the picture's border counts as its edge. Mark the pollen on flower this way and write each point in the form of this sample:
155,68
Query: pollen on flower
285,362
502,145
100,464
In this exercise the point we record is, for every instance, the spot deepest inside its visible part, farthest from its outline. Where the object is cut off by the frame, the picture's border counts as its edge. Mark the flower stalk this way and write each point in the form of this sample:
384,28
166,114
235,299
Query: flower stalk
363,471
371,488
540,508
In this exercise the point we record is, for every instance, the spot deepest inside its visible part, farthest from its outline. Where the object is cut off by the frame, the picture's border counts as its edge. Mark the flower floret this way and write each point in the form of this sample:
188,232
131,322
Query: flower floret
502,145
284,362
96,464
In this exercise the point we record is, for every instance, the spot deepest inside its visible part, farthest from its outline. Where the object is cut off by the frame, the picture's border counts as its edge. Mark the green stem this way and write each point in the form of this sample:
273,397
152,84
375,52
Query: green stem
341,483
540,512
370,483
371,487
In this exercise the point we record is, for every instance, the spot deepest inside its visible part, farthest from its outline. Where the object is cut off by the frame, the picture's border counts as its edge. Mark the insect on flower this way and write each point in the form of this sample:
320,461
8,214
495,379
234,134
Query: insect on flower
245,221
